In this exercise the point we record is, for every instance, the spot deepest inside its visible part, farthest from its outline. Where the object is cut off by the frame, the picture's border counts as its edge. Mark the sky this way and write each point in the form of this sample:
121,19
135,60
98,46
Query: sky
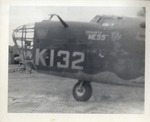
20,15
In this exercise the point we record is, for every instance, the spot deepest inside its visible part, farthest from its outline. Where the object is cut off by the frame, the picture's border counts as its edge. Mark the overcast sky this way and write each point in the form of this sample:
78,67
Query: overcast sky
24,15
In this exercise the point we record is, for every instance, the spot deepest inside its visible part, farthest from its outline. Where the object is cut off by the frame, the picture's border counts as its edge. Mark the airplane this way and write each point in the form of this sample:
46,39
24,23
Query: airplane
85,51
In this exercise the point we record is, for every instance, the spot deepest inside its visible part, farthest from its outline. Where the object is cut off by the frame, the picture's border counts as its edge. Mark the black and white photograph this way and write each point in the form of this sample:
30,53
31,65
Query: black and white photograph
76,59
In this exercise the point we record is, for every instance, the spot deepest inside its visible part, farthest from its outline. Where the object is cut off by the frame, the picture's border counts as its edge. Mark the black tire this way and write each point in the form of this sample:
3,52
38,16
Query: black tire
84,94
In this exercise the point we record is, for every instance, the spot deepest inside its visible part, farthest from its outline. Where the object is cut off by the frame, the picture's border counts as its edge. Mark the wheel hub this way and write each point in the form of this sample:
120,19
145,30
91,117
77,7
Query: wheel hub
80,91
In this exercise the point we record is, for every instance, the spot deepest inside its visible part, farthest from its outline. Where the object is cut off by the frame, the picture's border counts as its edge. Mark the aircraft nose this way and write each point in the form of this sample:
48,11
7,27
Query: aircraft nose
23,37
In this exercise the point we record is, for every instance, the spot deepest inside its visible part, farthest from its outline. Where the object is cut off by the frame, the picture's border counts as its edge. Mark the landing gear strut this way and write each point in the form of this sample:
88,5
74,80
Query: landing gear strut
82,91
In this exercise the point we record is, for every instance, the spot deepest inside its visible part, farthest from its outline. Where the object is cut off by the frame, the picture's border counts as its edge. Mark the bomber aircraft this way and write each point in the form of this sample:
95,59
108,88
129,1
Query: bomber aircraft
85,51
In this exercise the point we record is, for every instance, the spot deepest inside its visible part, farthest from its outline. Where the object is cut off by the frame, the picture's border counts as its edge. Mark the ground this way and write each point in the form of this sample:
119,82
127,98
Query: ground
41,93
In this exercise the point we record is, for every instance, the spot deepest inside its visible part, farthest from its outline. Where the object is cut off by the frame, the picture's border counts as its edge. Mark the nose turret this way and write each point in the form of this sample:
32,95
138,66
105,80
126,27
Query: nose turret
23,38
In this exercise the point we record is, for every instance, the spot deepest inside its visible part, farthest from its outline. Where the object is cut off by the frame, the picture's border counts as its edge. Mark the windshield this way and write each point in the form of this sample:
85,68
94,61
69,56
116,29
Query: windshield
96,19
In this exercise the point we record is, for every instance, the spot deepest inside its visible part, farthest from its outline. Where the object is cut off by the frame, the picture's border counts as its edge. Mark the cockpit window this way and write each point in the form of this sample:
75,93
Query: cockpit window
108,22
96,19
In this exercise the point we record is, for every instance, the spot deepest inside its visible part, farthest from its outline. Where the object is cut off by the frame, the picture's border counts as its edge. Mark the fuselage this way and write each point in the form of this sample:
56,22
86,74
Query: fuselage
83,50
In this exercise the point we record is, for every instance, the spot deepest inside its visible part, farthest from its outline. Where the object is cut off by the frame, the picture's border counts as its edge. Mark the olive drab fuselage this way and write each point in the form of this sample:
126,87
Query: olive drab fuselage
88,48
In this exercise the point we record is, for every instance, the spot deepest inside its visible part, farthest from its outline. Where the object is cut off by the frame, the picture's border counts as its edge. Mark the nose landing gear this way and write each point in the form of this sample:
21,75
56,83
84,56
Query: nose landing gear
82,91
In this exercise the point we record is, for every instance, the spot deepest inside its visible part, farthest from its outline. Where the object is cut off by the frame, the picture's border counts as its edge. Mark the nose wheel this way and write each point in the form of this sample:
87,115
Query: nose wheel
82,91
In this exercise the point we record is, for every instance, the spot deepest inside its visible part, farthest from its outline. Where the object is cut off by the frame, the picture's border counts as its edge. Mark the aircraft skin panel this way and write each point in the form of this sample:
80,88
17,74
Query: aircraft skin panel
89,48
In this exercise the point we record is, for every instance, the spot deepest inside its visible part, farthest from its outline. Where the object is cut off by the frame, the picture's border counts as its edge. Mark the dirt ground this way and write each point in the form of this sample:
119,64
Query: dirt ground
41,93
